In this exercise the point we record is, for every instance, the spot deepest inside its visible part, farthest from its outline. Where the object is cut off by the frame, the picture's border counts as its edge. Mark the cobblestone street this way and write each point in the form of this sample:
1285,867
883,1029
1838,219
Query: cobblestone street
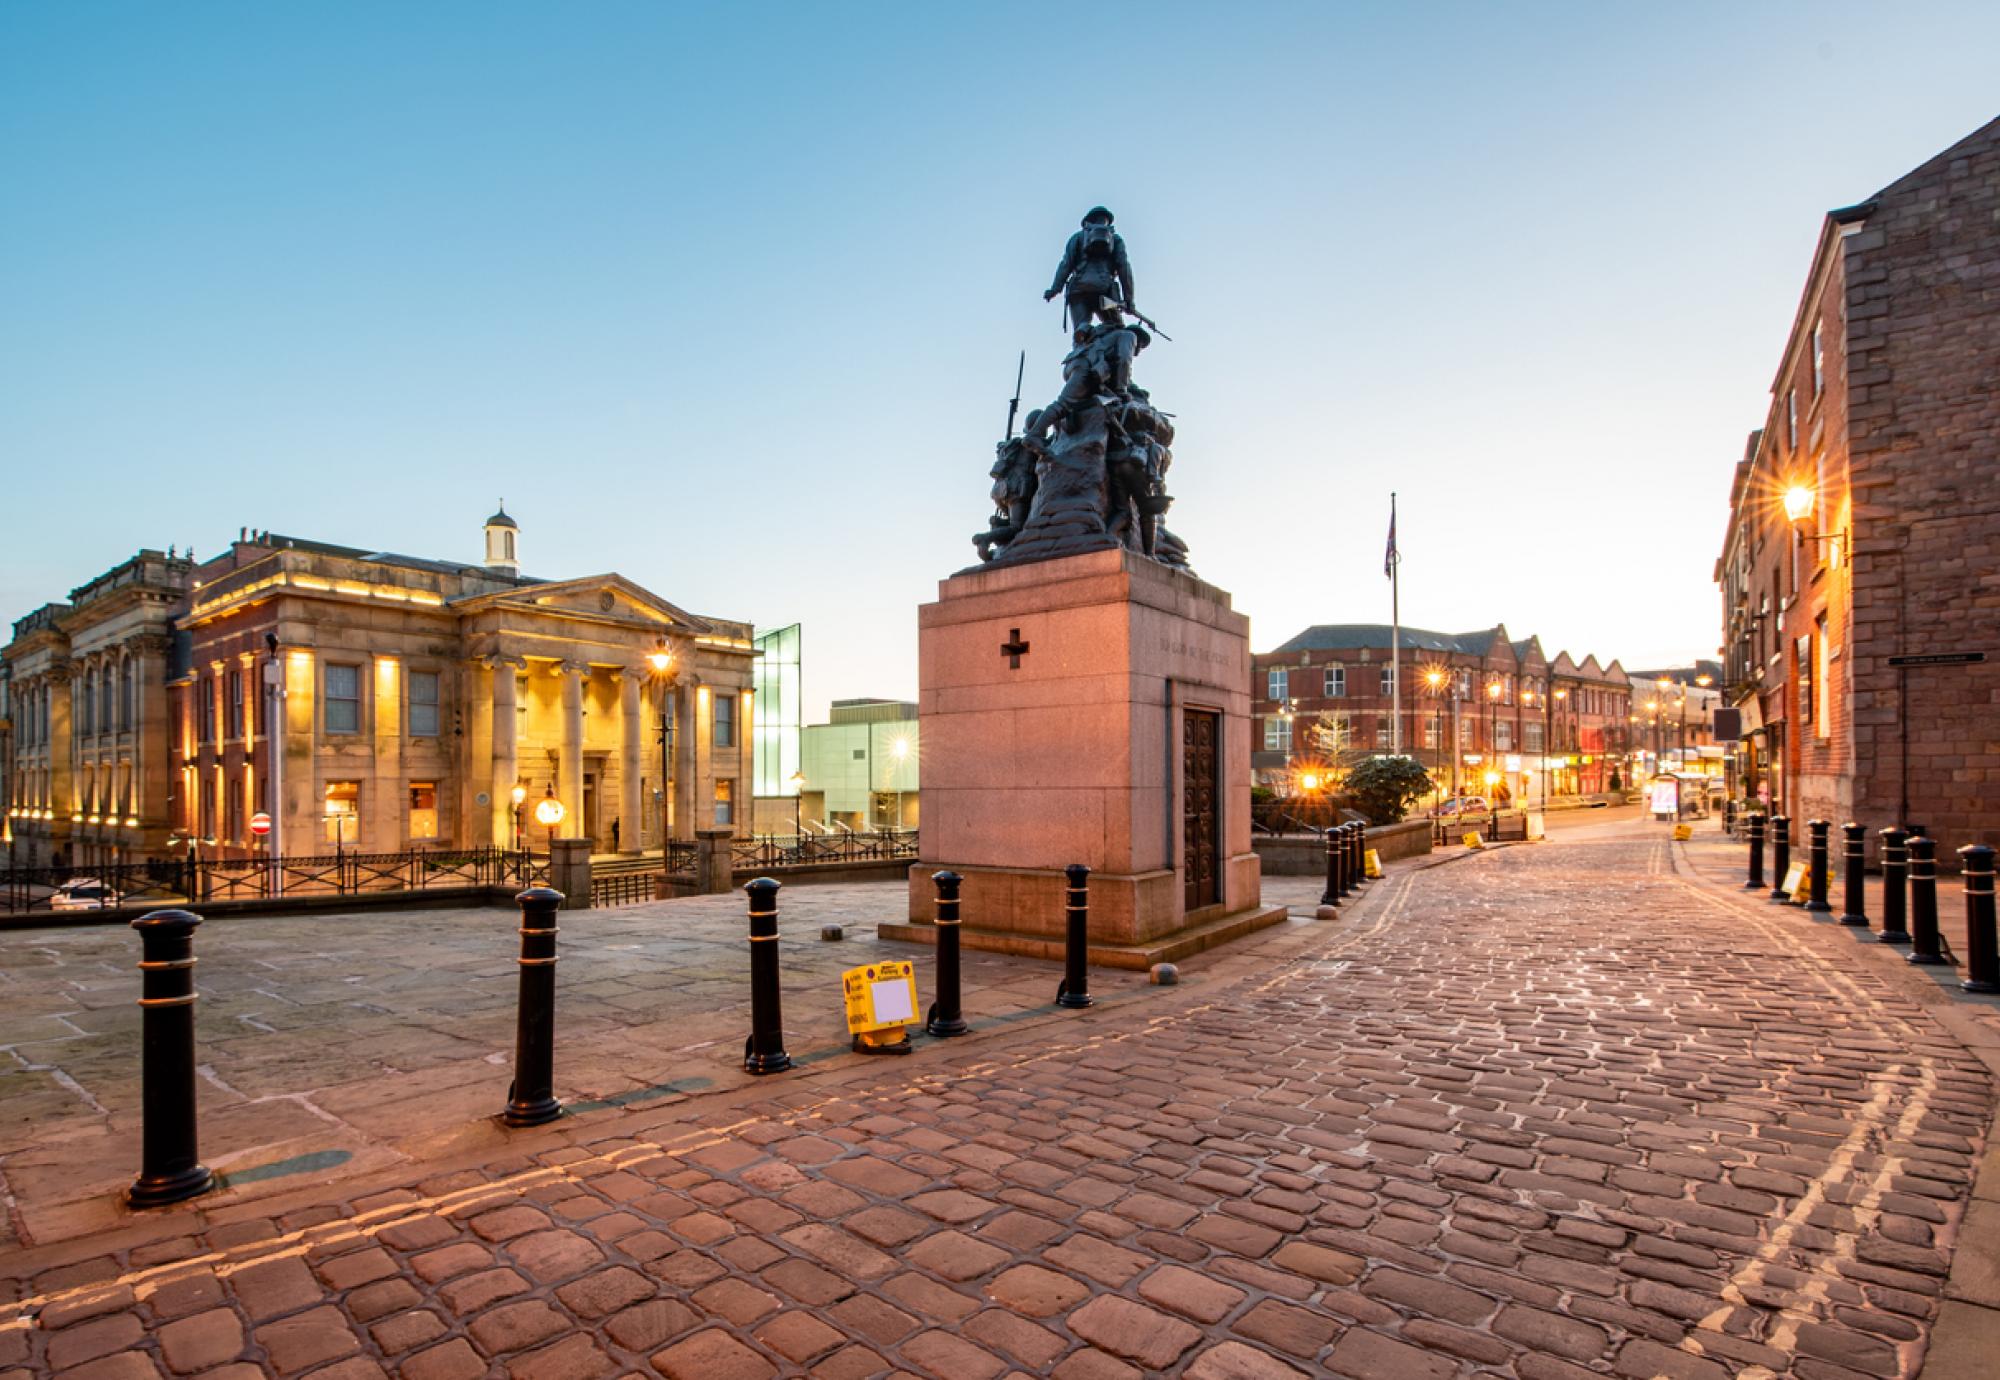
1548,1111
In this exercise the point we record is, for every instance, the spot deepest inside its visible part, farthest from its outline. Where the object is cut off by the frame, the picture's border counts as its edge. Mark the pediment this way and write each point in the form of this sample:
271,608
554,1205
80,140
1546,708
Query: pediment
597,598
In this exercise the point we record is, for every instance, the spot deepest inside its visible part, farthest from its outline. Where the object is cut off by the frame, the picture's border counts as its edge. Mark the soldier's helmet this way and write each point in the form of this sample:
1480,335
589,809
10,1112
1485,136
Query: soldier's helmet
1097,213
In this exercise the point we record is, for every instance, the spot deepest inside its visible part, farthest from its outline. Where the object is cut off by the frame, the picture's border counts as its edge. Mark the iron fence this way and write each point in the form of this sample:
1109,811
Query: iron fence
807,850
157,881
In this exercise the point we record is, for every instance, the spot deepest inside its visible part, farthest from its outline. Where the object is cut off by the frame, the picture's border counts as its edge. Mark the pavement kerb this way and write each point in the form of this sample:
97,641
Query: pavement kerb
1271,953
1966,1336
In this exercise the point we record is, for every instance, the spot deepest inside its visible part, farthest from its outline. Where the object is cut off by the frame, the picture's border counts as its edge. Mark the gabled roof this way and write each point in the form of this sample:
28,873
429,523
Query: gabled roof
543,594
1345,637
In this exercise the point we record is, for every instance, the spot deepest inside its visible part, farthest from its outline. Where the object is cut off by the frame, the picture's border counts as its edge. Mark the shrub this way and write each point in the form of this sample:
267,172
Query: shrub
1384,788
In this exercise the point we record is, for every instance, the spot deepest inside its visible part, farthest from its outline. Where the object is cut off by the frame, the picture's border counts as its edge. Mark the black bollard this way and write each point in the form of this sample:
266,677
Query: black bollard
1982,945
946,1019
1856,849
1331,896
1753,827
1336,843
1357,853
1817,863
1075,988
1895,870
531,1101
1924,938
764,1050
1781,858
170,1168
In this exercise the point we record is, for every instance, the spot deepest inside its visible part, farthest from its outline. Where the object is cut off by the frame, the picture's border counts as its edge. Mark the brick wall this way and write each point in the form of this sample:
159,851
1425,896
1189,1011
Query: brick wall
1922,299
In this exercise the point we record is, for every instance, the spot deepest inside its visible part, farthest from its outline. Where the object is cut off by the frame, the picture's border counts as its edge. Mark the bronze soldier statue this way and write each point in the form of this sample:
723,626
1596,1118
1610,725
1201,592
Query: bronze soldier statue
1095,276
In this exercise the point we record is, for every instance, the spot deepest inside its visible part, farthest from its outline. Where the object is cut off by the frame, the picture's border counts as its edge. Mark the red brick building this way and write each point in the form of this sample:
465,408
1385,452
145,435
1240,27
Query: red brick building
1864,524
1475,705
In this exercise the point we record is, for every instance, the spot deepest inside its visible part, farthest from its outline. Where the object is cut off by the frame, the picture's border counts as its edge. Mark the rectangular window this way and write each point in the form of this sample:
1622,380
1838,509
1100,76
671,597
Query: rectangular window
343,699
235,704
1802,657
725,719
1531,736
234,827
423,809
1277,735
1388,681
725,802
423,710
1822,679
1431,731
1336,682
342,810
1791,419
1819,357
1342,733
208,809
204,713
1275,681
1382,733
1503,736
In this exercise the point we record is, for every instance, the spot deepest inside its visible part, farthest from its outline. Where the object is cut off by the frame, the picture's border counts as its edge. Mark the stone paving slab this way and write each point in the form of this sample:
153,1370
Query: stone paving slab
378,1036
1546,1113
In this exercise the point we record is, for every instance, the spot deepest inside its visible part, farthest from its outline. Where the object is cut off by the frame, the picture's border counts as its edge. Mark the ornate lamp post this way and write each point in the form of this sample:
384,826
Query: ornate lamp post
661,659
899,749
520,797
549,813
798,782
1434,680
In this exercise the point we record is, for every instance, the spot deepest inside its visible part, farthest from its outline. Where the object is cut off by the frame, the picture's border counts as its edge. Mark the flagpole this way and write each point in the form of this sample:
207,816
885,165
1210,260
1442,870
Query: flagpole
1395,635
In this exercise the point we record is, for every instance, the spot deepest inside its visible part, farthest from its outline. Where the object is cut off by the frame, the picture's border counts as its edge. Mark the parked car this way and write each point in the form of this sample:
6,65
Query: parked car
83,893
1463,805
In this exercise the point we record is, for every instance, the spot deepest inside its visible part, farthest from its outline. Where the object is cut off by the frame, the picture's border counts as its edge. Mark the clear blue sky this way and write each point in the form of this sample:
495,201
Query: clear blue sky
728,298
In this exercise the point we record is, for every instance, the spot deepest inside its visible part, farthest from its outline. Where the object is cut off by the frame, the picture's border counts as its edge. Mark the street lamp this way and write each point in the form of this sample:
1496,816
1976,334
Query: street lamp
520,796
798,781
549,813
899,748
1434,680
661,659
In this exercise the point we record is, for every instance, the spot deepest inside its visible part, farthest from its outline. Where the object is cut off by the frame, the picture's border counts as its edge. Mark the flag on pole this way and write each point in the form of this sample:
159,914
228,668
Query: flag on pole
1389,556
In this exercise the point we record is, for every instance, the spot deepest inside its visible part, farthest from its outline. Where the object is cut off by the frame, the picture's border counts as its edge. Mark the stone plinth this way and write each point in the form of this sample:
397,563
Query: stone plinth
1079,752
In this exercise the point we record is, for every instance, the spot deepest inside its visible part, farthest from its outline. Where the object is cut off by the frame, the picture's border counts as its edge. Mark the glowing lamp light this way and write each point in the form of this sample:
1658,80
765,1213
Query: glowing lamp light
1492,778
1309,782
660,658
899,748
1798,503
519,794
1493,690
549,811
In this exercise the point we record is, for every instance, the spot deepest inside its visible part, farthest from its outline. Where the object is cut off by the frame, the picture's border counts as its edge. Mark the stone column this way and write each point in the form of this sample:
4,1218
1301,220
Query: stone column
570,779
631,758
505,769
61,748
685,821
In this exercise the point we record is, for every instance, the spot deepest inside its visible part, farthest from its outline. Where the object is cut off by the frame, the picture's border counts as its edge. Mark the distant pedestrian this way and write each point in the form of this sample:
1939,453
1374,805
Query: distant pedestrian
614,836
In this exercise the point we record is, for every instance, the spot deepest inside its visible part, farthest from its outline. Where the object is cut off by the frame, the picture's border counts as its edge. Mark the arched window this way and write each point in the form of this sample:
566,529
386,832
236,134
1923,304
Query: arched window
86,707
508,539
107,701
125,696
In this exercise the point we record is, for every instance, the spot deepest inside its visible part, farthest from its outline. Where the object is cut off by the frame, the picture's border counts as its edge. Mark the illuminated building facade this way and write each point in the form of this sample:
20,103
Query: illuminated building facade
424,703
89,779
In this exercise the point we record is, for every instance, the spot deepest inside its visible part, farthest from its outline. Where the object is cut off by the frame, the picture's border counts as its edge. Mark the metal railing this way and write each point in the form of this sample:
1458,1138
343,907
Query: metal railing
624,888
807,850
27,890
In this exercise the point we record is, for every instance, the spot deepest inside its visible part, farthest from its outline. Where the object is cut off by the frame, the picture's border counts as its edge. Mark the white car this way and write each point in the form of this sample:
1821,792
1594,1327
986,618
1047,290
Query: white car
83,893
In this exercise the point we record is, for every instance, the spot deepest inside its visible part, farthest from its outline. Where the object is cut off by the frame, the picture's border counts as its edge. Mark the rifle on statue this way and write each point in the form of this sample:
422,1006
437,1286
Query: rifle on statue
1013,407
1148,322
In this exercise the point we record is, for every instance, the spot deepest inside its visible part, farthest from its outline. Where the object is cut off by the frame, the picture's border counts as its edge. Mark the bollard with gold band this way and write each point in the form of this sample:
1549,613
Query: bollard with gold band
1817,864
1855,850
1357,856
764,1050
531,1100
1339,837
1895,873
1982,945
1331,895
946,1016
1781,859
1926,944
1753,831
1074,990
170,1167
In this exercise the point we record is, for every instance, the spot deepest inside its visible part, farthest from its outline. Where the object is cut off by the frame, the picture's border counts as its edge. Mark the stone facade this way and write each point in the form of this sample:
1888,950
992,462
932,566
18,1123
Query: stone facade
416,696
89,779
1885,415
1324,697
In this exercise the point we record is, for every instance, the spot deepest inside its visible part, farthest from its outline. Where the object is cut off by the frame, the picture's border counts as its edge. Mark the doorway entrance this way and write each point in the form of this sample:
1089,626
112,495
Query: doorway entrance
1201,816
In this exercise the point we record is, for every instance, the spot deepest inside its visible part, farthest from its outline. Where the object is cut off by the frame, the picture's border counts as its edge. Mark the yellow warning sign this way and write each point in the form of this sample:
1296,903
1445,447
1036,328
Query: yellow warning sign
1795,882
1371,863
1683,832
1472,840
882,996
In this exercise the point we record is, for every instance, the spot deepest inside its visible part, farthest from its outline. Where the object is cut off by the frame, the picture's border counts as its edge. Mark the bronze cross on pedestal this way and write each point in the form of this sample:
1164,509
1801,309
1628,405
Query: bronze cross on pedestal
1014,649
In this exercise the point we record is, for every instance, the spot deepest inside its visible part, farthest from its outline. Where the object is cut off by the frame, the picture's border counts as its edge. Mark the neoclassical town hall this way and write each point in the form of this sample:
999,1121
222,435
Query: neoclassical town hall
368,701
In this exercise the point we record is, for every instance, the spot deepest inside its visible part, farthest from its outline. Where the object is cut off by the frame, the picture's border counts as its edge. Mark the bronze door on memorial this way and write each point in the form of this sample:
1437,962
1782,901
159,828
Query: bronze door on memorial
1201,813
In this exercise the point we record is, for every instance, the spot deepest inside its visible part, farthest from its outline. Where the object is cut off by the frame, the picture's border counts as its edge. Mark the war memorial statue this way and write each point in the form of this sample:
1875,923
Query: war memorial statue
1088,471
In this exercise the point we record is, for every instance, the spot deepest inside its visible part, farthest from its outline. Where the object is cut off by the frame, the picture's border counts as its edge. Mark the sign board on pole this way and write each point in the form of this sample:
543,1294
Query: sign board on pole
1664,796
260,824
1938,659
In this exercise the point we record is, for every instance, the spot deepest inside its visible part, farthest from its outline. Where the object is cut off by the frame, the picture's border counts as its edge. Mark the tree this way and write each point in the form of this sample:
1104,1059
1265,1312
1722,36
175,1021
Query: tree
1384,788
